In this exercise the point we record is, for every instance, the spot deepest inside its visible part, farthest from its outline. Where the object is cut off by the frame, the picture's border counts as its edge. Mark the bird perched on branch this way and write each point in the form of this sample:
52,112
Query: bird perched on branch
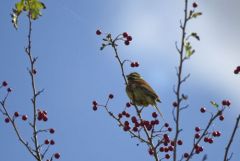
140,92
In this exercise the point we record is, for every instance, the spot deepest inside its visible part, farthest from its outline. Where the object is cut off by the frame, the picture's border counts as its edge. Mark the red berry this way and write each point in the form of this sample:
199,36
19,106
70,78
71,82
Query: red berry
34,71
195,5
226,103
180,142
16,114
238,68
98,32
52,142
167,156
236,71
129,38
161,149
166,137
218,133
154,115
166,149
110,96
126,128
136,64
210,140
124,113
134,119
126,42
150,151
126,123
169,129
127,115
57,155
203,109
186,155
94,103
149,127
52,131
24,117
46,142
119,115
45,118
153,122
125,34
206,139
197,135
175,104
132,64
135,129
4,83
9,89
7,120
221,117
166,124
197,129
137,124
94,108
170,148
156,122
200,148
128,104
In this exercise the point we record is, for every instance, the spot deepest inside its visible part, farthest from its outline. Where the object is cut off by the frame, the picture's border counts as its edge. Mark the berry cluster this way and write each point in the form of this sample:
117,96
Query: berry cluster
134,64
127,38
42,115
137,126
109,41
5,84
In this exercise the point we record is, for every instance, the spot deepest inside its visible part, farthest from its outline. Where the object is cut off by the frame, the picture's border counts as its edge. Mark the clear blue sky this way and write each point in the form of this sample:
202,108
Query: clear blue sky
74,72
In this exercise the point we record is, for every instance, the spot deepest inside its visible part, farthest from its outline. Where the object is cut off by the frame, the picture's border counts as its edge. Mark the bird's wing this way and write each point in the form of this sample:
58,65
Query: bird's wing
146,87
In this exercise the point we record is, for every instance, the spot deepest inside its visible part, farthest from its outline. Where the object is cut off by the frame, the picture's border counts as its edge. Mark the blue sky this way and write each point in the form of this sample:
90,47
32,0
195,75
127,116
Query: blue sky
73,72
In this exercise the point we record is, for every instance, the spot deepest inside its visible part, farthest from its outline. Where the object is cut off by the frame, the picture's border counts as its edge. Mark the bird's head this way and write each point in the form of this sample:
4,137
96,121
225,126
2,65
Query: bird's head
133,76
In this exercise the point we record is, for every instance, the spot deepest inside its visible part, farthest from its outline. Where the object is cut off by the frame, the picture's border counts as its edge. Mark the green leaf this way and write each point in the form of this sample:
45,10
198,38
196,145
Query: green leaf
214,104
19,7
196,14
32,7
189,51
35,8
195,35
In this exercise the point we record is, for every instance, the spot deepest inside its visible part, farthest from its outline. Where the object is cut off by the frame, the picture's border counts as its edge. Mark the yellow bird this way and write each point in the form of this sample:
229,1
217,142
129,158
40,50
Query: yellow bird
140,92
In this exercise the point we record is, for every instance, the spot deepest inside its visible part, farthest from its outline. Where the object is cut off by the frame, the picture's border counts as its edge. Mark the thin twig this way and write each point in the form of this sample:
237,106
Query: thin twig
179,77
213,117
231,140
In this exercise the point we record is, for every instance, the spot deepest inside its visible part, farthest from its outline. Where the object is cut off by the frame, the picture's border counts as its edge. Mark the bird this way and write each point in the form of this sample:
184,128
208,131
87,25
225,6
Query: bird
140,92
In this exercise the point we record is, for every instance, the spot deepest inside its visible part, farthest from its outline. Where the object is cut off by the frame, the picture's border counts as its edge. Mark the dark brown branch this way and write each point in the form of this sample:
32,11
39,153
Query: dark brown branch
20,138
35,93
231,140
179,78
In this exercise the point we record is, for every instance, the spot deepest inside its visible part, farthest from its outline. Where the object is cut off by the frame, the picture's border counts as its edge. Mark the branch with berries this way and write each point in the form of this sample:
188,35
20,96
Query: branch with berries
185,51
36,149
153,132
